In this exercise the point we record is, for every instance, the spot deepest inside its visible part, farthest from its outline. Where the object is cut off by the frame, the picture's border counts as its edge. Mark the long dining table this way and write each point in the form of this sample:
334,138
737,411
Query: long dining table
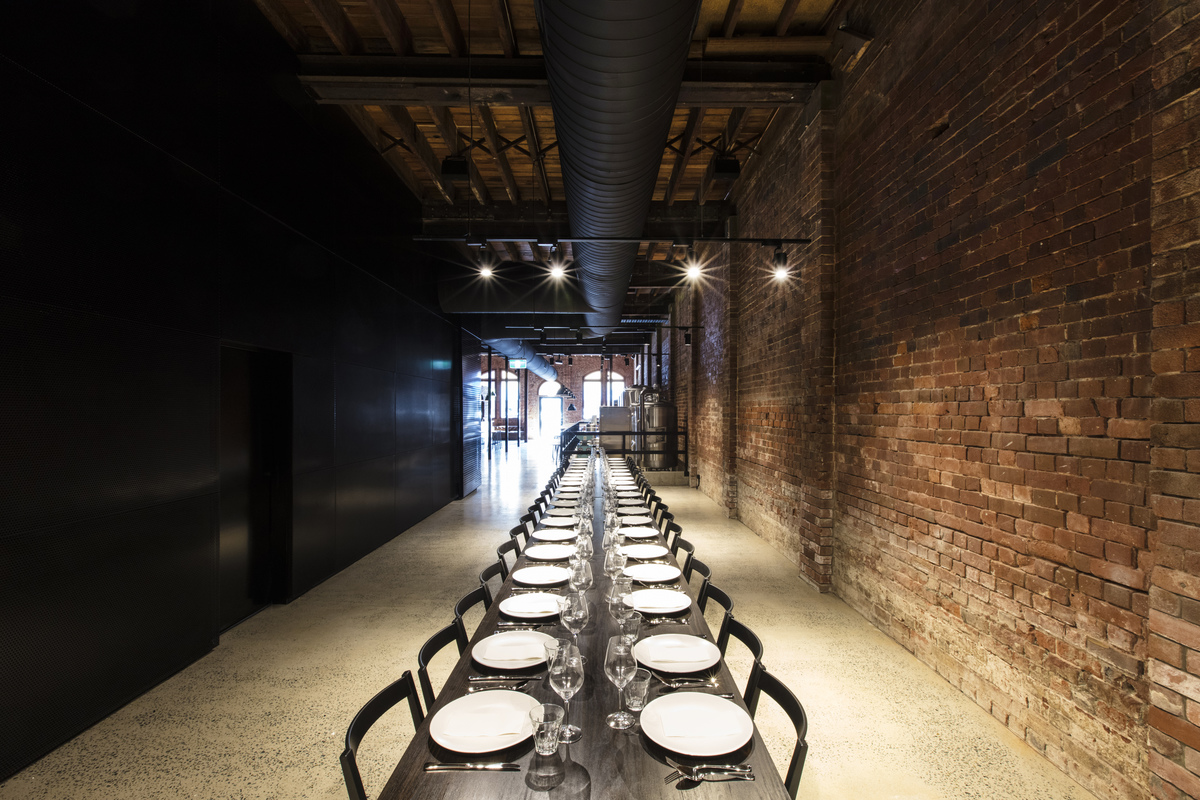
605,763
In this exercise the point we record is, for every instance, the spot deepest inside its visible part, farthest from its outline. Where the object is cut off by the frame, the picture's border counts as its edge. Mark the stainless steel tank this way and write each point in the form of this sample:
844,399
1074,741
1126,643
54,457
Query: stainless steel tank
661,440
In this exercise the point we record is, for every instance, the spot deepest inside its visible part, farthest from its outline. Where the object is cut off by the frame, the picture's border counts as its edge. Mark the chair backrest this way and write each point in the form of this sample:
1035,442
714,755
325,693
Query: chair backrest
723,599
696,566
466,603
683,544
367,716
433,645
530,523
521,537
670,533
739,631
659,510
508,547
768,684
536,512
665,519
486,574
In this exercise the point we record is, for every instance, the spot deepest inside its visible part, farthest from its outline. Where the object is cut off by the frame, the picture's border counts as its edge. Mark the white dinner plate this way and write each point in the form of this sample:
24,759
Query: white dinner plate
630,496
658,601
644,551
634,511
555,534
653,573
536,605
696,724
565,496
560,512
676,652
629,501
559,522
511,649
565,502
549,552
639,533
636,521
541,575
483,722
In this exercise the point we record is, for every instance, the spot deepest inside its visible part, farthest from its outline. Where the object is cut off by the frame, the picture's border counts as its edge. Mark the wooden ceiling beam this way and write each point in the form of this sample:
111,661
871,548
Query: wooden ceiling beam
394,25
492,138
503,17
785,17
287,26
695,118
539,165
393,157
411,135
448,130
732,14
447,20
335,22
733,130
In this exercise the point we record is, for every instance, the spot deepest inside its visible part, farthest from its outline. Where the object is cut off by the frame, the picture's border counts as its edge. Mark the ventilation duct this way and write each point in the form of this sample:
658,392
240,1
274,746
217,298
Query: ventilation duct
535,362
615,68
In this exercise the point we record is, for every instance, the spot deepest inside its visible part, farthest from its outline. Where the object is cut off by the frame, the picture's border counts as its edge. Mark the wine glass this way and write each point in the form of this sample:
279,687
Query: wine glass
581,576
566,678
583,545
573,612
619,666
622,587
614,562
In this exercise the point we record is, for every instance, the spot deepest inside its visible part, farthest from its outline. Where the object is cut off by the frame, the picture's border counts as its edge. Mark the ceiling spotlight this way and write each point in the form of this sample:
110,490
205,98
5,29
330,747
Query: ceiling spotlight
687,337
781,273
570,361
627,361
693,271
485,272
781,267
557,271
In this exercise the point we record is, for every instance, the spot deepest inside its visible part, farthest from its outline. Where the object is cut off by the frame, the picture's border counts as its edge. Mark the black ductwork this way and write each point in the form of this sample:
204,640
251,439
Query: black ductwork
615,68
534,361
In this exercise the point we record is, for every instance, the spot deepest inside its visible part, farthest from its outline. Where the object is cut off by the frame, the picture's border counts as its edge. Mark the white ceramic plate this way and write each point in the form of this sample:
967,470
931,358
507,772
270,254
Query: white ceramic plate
530,606
633,511
541,575
696,724
644,551
629,501
653,573
554,534
639,533
549,552
511,649
565,496
559,522
563,502
676,652
636,521
483,722
560,512
658,601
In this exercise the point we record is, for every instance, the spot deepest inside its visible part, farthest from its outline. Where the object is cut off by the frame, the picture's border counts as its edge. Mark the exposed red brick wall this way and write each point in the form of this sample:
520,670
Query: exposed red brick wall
1174,643
993,335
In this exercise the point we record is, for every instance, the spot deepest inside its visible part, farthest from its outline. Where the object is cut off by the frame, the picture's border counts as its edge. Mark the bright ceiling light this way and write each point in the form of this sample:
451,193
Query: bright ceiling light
485,272
693,271
557,271
781,273
781,268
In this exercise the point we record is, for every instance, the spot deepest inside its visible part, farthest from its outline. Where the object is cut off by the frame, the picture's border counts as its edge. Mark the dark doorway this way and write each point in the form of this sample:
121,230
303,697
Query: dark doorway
251,445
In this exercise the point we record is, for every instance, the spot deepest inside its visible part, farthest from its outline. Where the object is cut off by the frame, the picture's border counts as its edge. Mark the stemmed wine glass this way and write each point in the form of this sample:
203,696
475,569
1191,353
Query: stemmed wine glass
566,678
619,666
581,576
573,612
622,587
614,564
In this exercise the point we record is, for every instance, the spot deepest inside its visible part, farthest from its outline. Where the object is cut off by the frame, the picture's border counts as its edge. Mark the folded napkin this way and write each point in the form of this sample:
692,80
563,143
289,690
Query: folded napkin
675,652
505,649
656,602
493,721
696,723
535,604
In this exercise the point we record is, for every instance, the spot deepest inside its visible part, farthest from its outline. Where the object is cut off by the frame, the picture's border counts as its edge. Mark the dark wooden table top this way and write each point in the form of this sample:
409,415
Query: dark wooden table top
604,763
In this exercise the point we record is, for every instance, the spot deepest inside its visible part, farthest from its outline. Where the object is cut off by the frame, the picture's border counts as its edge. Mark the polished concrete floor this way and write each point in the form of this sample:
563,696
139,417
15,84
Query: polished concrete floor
264,715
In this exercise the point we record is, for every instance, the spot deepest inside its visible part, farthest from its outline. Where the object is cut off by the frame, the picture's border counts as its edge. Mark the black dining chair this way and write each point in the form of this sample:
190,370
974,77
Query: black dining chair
486,574
738,630
720,597
434,645
529,521
521,537
508,547
697,567
367,716
766,683
670,533
660,509
665,520
683,544
477,596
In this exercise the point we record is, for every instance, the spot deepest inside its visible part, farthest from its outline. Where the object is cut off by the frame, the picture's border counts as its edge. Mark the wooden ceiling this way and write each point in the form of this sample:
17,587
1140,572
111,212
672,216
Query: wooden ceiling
427,79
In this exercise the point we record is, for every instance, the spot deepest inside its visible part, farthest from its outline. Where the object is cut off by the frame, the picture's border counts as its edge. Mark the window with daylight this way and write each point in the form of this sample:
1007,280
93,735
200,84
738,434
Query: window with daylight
507,400
591,393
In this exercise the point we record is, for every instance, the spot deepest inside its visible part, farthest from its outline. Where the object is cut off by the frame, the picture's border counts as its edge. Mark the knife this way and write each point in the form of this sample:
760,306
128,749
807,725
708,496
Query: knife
721,775
433,766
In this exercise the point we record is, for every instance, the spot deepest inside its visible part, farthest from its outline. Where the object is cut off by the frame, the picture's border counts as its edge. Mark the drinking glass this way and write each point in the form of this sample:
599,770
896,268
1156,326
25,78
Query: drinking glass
566,678
573,611
622,587
614,562
583,545
554,645
635,690
581,576
631,626
547,724
619,666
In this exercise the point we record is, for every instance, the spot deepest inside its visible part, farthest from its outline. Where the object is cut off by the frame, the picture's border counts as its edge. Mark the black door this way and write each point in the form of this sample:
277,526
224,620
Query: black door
245,549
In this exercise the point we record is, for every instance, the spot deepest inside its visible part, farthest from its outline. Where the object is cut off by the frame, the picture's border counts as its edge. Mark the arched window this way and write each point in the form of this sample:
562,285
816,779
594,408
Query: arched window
591,392
549,389
507,400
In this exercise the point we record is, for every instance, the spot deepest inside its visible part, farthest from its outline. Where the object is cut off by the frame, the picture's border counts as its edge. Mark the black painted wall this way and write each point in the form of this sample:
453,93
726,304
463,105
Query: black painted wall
164,187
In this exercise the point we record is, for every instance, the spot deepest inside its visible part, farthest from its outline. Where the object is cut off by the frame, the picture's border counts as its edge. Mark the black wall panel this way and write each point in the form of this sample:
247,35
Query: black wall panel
414,412
95,612
366,320
101,415
366,508
366,424
312,414
314,529
416,350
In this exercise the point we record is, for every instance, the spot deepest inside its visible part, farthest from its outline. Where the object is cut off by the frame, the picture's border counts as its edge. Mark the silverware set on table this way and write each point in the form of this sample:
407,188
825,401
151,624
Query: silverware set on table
709,772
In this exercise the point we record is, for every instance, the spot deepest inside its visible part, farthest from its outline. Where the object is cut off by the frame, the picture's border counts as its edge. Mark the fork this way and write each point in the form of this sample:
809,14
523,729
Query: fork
684,771
669,620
